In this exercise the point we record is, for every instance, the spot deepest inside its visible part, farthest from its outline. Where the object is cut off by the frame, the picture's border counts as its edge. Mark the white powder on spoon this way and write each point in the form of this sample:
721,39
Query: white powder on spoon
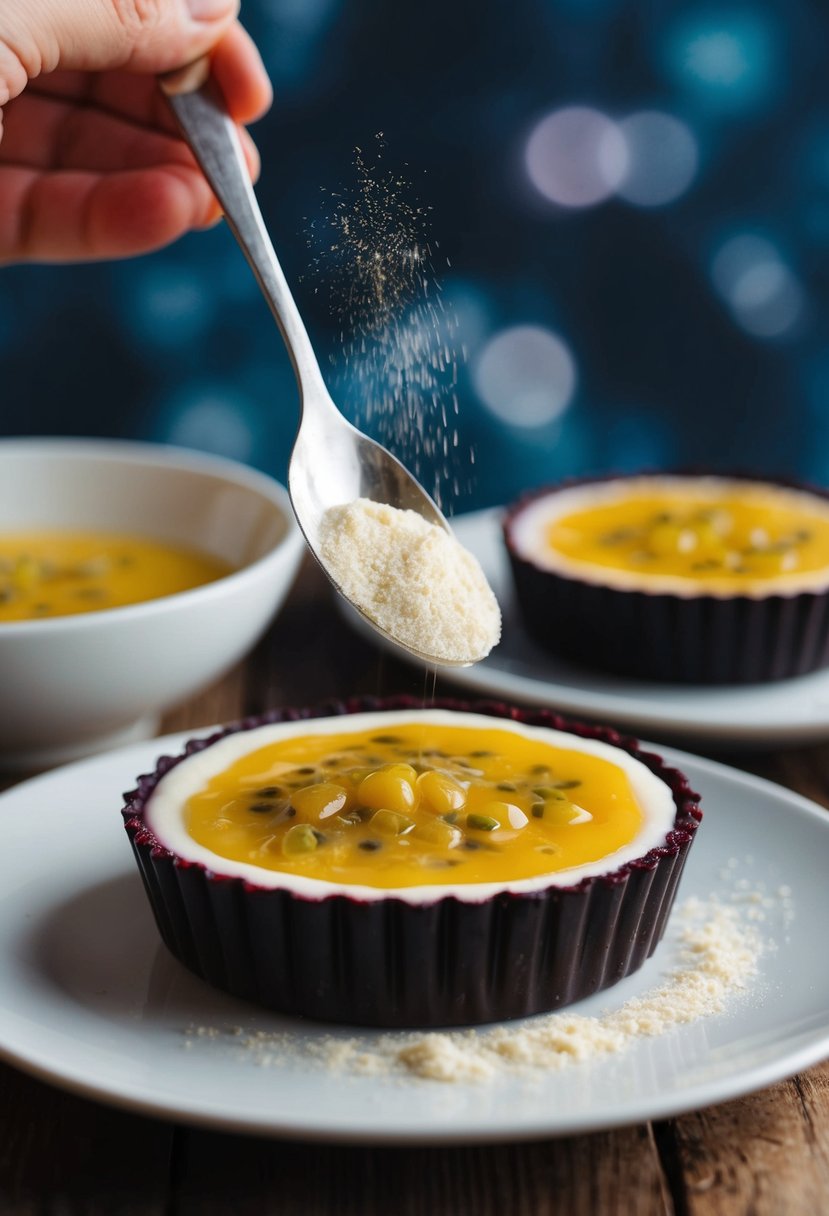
412,579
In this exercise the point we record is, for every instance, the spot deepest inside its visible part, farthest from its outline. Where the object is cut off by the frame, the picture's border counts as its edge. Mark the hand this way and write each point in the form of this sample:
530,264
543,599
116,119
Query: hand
91,165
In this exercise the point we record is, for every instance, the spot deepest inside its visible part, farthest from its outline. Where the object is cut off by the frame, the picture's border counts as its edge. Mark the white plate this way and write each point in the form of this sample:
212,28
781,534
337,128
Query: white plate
90,1000
788,712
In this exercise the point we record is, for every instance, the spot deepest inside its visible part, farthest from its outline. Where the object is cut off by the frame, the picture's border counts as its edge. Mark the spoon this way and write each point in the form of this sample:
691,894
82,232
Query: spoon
332,462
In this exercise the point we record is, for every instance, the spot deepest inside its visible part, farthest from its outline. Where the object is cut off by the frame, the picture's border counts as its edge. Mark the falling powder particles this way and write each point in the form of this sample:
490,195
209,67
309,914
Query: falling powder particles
412,578
718,948
397,360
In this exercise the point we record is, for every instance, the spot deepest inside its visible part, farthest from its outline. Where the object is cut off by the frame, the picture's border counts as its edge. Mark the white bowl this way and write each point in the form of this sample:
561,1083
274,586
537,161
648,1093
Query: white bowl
76,684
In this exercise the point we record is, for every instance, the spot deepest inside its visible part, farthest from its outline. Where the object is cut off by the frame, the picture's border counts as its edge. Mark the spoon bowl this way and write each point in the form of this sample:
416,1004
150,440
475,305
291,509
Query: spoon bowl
332,462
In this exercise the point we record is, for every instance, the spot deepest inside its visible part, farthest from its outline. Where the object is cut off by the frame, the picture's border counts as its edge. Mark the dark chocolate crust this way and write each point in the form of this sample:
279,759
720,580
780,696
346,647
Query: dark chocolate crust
394,964
655,636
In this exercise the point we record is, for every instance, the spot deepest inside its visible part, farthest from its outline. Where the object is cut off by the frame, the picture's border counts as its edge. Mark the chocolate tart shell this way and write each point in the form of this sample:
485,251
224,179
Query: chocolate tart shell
391,963
645,635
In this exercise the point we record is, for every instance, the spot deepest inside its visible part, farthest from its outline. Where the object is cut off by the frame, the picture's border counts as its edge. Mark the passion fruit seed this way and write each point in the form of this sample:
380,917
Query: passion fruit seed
320,801
390,788
349,820
373,803
390,823
562,814
441,794
473,844
301,838
482,823
439,833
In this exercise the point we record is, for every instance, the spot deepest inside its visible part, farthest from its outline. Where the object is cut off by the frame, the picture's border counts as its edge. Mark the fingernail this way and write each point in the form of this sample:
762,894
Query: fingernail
209,10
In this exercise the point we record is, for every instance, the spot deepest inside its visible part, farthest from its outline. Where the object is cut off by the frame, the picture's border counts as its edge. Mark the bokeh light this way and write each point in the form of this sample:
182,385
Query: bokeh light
467,308
760,288
211,418
662,158
724,58
169,305
525,375
576,156
291,33
587,171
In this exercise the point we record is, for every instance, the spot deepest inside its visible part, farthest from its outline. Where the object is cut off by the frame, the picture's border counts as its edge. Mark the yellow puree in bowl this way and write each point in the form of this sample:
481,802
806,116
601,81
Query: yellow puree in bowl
728,541
421,804
49,574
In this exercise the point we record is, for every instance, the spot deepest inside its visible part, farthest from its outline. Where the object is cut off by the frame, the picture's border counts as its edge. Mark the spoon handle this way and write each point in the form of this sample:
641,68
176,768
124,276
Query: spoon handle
211,134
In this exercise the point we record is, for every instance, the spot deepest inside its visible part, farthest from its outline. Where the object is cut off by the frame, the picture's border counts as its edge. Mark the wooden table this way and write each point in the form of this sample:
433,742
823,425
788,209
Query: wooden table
64,1156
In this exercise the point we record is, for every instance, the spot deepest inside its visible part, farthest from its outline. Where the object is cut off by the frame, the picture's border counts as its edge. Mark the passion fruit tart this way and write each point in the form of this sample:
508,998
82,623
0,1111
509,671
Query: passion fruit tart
394,866
691,579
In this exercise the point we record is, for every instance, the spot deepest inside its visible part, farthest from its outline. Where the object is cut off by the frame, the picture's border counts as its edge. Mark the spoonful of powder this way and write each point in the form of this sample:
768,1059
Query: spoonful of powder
412,580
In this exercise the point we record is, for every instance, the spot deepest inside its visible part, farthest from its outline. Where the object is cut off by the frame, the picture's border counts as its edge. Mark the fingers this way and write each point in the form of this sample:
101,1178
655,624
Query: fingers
91,165
99,35
251,152
49,133
122,93
241,76
167,34
74,216
52,133
77,184
236,63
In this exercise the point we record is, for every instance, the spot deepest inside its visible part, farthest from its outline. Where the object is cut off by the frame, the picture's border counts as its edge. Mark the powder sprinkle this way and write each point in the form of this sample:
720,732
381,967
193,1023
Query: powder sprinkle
718,949
398,354
412,579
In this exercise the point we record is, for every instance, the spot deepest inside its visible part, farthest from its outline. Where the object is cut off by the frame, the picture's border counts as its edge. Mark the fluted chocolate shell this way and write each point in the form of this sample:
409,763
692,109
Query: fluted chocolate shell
645,635
395,964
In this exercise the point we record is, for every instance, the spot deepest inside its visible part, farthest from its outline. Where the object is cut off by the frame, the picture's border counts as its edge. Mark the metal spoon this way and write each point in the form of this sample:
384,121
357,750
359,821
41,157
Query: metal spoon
331,462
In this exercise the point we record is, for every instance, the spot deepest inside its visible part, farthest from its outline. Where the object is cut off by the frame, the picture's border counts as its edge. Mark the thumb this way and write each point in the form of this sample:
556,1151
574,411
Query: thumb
38,36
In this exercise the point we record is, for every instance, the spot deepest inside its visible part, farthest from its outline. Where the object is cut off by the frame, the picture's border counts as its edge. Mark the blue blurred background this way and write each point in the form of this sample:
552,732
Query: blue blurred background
633,200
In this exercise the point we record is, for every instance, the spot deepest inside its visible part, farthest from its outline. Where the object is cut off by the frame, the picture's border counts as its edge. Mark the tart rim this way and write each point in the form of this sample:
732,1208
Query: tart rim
686,818
626,582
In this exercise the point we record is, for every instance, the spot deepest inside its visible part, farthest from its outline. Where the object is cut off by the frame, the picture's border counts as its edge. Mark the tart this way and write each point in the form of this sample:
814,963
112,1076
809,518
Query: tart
381,864
685,578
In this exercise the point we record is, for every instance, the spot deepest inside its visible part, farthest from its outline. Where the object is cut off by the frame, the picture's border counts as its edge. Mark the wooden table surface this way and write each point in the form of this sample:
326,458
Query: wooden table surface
63,1156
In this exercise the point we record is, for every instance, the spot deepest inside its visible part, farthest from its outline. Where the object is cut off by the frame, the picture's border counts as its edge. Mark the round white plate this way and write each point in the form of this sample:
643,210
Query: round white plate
788,712
91,1000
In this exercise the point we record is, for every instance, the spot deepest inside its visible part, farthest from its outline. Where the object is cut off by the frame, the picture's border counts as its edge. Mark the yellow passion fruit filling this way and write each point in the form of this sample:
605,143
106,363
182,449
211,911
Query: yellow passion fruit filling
728,537
415,804
50,574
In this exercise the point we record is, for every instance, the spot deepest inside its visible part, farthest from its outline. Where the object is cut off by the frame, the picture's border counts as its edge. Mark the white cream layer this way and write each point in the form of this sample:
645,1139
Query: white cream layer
530,527
164,813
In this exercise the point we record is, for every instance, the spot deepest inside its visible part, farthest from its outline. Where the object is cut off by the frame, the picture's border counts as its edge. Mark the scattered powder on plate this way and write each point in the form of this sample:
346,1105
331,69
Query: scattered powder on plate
719,947
412,579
